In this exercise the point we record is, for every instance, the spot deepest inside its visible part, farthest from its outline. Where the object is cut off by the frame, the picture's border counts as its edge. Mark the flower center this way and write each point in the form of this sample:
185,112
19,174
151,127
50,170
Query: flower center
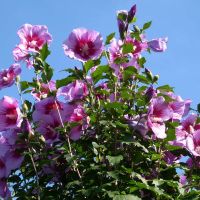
11,116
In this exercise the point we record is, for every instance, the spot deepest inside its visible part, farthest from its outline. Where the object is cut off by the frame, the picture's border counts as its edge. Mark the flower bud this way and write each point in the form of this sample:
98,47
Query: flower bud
155,78
26,127
122,16
150,93
131,13
25,107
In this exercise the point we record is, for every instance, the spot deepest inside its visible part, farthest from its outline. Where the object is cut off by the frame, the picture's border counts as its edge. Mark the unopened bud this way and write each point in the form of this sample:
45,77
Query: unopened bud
155,78
26,127
131,13
150,93
149,74
38,84
25,107
17,79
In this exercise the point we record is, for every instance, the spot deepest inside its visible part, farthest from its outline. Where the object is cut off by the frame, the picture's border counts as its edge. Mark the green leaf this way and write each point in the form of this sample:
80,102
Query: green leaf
44,52
142,79
113,174
146,25
24,85
127,48
156,156
65,81
88,65
47,74
129,72
170,134
109,38
141,61
28,104
121,60
91,63
100,72
165,88
114,160
126,197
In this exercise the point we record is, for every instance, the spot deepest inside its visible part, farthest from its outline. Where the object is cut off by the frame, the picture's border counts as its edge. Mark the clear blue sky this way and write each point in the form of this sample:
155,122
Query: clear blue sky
179,20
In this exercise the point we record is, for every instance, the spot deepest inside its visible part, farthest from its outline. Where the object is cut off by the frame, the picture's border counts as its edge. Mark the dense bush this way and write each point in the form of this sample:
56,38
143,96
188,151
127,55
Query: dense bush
104,131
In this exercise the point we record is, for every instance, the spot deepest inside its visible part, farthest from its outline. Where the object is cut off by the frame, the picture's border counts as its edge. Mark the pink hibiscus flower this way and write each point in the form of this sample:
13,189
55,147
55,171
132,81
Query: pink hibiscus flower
7,76
83,44
10,115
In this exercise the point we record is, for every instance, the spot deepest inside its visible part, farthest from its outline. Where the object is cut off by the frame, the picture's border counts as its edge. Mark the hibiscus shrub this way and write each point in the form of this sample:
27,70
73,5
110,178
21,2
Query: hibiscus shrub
104,131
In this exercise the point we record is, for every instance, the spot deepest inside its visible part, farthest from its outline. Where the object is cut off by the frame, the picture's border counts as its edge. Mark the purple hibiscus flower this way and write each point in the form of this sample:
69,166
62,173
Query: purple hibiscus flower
10,115
83,44
7,76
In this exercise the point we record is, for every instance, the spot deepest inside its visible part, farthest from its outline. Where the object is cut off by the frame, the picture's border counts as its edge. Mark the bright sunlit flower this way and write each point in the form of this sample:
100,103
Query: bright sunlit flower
83,44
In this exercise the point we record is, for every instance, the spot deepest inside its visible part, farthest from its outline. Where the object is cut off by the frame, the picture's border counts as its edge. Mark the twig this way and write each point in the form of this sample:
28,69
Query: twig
62,124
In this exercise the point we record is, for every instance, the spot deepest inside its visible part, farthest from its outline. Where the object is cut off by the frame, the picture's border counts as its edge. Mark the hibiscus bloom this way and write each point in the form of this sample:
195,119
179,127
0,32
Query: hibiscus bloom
32,39
44,90
7,76
193,143
126,60
83,44
159,112
10,115
73,91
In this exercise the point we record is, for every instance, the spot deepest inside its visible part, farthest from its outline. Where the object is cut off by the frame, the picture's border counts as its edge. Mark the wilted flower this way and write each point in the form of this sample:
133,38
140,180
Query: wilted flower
83,44
7,76
10,115
158,45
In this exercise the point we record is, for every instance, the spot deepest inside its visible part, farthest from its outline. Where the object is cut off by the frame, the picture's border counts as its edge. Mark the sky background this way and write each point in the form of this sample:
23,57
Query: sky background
177,19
